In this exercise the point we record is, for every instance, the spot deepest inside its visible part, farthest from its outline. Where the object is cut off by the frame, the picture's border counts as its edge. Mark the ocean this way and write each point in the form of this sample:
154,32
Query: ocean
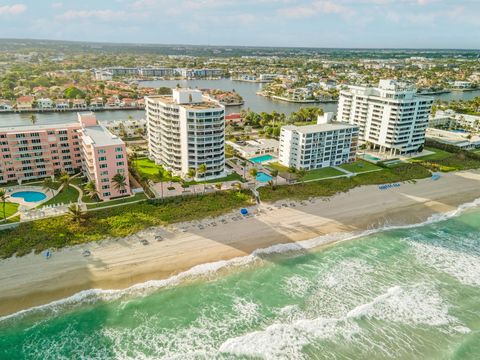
403,293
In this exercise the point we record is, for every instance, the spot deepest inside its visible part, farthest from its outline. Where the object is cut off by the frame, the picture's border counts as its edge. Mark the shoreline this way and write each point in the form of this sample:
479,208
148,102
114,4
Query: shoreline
32,280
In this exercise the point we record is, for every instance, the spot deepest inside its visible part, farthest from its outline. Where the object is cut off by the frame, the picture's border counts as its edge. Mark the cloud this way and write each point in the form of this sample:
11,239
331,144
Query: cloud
106,15
315,8
57,5
15,9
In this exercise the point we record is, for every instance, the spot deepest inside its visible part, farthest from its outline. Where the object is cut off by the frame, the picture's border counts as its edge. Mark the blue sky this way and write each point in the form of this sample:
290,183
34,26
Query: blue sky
316,23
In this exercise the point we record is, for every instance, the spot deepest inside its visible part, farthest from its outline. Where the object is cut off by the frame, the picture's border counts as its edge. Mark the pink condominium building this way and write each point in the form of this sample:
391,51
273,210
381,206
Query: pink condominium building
104,155
39,151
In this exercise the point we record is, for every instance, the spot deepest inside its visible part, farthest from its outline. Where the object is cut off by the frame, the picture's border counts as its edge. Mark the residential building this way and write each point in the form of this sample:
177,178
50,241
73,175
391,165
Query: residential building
390,117
45,104
62,104
317,146
104,156
251,148
185,131
40,151
451,119
129,128
5,105
25,102
461,140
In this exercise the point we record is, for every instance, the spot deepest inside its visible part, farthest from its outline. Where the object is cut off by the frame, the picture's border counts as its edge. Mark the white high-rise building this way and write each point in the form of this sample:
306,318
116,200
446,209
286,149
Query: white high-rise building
390,117
186,130
316,146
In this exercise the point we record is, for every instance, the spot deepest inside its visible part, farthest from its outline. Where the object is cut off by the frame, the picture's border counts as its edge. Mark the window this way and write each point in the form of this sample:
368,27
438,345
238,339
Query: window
101,151
118,149
103,166
102,158
120,163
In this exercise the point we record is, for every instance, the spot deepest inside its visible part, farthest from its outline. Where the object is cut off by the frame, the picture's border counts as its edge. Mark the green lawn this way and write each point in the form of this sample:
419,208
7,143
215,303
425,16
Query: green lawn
147,168
329,187
446,161
438,155
65,196
126,200
322,173
10,209
119,221
359,166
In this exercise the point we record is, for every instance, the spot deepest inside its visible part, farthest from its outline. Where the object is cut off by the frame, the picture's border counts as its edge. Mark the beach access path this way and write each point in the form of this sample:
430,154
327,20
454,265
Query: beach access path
119,263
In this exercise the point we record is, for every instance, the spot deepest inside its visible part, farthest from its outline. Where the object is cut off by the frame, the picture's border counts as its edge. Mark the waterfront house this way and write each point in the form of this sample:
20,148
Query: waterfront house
45,104
62,104
79,104
5,105
25,103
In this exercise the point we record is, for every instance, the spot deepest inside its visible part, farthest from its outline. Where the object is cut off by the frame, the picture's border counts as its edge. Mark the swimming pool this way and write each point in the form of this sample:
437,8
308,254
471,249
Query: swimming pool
370,157
262,177
261,159
29,196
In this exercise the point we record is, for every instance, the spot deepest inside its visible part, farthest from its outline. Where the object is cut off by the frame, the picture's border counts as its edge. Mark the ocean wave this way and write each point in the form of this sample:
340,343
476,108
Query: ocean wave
416,304
93,295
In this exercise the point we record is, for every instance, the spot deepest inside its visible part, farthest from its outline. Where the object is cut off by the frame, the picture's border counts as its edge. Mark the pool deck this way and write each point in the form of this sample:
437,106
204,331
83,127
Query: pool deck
22,202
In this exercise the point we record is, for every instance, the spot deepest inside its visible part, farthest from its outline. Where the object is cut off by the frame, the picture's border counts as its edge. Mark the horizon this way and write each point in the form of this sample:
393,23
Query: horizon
236,46
341,24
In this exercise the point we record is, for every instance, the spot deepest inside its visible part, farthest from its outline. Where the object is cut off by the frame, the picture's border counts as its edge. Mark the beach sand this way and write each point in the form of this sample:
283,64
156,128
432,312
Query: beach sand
119,263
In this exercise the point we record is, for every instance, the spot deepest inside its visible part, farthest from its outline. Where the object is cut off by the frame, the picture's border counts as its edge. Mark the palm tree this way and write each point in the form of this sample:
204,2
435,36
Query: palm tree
301,174
253,173
238,186
33,119
191,173
65,179
48,184
202,169
3,199
161,178
218,186
91,189
76,213
274,173
119,181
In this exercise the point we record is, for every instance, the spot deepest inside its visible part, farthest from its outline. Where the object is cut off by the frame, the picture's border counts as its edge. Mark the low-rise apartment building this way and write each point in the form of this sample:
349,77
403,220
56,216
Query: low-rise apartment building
187,130
40,151
317,146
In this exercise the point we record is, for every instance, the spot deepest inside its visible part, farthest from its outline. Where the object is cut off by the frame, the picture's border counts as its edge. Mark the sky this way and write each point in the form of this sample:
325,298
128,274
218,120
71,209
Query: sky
296,23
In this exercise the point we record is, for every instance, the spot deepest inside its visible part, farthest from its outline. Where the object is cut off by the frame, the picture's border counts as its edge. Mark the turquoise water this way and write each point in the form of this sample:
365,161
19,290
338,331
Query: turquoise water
370,157
411,293
262,177
261,159
30,196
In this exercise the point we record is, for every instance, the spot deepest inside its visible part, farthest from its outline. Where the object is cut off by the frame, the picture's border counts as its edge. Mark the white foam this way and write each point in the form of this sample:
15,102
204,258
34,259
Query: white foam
93,295
297,286
417,304
460,265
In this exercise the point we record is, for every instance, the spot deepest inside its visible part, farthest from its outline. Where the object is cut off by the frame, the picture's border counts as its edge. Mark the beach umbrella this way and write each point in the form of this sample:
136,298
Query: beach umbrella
244,211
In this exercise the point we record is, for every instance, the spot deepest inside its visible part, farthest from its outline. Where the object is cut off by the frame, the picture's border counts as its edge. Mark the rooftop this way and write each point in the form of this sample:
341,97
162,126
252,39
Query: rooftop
206,103
100,136
36,127
310,129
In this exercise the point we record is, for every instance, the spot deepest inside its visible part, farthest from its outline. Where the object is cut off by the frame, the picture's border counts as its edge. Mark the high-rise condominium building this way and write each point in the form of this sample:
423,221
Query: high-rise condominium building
316,146
185,131
390,117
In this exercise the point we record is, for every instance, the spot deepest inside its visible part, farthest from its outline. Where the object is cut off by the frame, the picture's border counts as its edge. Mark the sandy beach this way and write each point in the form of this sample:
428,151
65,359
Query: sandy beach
118,263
